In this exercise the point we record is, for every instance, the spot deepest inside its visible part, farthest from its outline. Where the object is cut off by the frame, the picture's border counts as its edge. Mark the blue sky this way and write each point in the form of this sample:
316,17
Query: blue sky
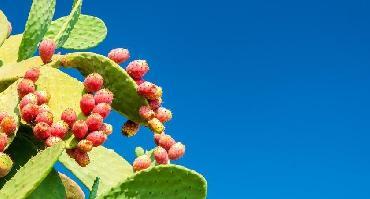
270,97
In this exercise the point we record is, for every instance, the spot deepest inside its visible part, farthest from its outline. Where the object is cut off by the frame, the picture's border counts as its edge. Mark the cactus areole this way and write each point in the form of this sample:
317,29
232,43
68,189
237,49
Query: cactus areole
48,116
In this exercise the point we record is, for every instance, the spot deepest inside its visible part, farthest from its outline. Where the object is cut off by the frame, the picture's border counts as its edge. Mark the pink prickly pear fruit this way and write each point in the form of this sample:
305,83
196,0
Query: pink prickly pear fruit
102,109
85,145
69,116
157,137
94,121
8,125
6,164
155,125
139,81
141,163
163,114
52,140
137,69
166,142
81,157
146,112
80,129
25,86
119,55
106,128
32,74
156,103
41,131
59,129
2,115
130,128
29,112
149,90
47,50
160,155
87,103
3,141
103,96
176,151
43,97
46,117
44,108
93,82
30,98
97,138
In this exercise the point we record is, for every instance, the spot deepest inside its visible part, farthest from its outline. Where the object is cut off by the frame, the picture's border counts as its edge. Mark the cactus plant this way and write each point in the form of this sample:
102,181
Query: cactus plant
65,122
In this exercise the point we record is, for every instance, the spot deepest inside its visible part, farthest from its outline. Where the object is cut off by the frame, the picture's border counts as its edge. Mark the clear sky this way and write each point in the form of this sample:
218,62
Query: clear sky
271,97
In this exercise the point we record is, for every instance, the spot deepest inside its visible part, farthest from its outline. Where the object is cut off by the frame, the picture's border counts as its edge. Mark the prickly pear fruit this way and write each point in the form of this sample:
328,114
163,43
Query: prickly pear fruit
130,128
25,86
69,116
119,55
166,142
155,125
6,164
103,109
157,137
85,145
29,112
163,114
87,103
8,125
81,157
47,50
46,117
41,131
97,138
176,151
106,128
52,140
2,115
59,129
139,81
94,121
32,74
103,96
137,69
44,108
146,112
155,104
141,163
160,155
93,82
43,97
80,129
149,90
3,141
30,98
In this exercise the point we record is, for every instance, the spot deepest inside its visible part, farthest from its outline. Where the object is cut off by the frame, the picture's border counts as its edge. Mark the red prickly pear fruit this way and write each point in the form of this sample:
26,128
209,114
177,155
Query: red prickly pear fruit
25,86
69,116
119,55
166,142
137,69
156,103
43,97
3,141
44,108
81,157
52,140
97,138
149,90
155,125
106,128
29,112
6,164
47,50
46,117
139,81
93,82
85,145
2,115
32,74
157,137
41,131
146,112
103,96
141,163
8,125
102,109
160,155
80,129
163,114
30,98
176,151
130,128
87,103
59,129
94,121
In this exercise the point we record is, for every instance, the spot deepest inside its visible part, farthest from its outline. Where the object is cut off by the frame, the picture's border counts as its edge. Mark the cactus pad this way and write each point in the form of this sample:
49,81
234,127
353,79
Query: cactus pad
88,32
73,191
51,187
9,49
39,19
165,181
3,27
94,189
105,163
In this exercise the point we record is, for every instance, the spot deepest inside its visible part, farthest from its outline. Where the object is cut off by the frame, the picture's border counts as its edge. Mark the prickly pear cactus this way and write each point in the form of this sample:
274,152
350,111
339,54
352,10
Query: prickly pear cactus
48,116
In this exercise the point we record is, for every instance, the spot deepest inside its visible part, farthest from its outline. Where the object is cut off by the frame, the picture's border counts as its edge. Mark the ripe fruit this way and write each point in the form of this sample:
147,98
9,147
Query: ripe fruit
3,141
106,128
93,82
142,162
69,116
30,98
46,117
44,108
81,157
80,129
59,129
29,112
52,140
97,138
2,115
139,81
103,96
87,103
41,131
25,86
146,112
119,55
43,97
166,142
6,164
102,109
94,121
32,74
149,90
8,125
85,145
176,151
157,137
47,50
130,128
160,155
137,69
163,114
155,125
155,104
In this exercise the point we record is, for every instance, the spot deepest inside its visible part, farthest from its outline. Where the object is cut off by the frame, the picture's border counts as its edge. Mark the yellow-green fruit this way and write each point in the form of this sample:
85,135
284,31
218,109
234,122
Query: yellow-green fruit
156,126
5,164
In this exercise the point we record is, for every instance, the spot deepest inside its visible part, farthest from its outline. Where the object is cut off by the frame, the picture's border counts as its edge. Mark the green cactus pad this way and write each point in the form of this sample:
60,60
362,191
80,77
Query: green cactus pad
39,19
165,181
9,49
29,177
94,189
4,29
126,100
110,167
88,32
73,190
51,187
